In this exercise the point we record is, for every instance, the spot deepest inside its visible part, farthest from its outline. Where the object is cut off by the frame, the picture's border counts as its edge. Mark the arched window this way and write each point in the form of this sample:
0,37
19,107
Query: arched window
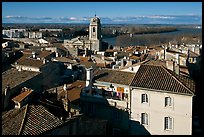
94,30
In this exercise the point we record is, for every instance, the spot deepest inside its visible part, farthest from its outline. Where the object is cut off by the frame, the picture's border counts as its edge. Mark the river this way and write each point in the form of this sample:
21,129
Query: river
112,40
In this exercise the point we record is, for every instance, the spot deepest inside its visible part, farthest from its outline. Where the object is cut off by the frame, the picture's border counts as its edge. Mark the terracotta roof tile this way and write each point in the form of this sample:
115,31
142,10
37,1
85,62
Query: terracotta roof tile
113,76
12,121
29,120
22,96
156,62
44,54
159,78
27,61
74,90
66,60
39,120
14,77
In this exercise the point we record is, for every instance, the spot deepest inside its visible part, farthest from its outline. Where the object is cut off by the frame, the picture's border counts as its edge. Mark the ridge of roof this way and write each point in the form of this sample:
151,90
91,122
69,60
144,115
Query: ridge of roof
132,79
22,123
177,79
144,75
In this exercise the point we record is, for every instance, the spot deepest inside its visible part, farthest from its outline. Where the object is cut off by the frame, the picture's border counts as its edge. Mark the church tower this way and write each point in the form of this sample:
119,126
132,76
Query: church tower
95,33
95,29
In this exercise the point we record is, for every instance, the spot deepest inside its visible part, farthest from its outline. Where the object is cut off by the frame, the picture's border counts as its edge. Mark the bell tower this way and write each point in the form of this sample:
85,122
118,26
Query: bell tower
95,29
95,34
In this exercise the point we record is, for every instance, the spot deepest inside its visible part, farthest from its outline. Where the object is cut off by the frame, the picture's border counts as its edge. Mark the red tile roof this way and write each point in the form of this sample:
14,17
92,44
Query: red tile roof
14,77
12,121
29,120
44,54
39,120
22,96
27,61
159,78
74,90
113,76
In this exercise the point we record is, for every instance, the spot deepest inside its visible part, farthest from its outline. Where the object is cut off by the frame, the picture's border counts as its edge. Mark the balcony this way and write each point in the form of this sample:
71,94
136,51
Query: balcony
108,97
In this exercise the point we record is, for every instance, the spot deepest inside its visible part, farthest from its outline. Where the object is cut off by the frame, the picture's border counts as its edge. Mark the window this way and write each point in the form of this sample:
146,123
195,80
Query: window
144,118
144,98
168,123
168,101
94,29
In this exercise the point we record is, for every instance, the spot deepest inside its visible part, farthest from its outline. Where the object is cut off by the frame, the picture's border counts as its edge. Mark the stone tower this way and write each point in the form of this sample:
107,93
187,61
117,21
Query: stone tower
95,34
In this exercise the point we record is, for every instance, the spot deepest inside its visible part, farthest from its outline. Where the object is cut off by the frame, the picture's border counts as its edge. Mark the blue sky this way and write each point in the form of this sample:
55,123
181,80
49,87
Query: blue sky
109,12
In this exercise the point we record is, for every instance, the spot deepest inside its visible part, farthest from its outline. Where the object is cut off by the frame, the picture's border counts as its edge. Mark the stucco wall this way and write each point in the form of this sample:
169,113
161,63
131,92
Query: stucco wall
181,112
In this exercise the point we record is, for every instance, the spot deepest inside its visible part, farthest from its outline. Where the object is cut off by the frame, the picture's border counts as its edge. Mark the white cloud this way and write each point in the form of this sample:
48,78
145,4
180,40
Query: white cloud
160,17
163,19
73,18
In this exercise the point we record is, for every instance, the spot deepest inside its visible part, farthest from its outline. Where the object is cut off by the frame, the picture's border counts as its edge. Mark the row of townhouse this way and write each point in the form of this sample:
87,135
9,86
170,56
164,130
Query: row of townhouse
154,100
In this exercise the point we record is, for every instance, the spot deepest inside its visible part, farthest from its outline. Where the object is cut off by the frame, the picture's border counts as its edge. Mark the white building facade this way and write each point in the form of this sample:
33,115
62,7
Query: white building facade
165,113
161,101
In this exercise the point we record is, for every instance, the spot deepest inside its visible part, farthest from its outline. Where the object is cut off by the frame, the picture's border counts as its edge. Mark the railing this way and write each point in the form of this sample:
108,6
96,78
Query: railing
112,100
106,94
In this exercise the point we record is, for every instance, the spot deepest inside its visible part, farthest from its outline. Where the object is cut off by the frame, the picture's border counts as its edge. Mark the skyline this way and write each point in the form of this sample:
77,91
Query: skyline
109,12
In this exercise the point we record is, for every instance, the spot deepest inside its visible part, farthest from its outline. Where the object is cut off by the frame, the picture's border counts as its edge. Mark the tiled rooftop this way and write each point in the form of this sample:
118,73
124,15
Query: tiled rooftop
113,76
12,121
66,60
44,54
27,61
74,90
189,83
39,120
29,120
22,96
156,62
159,78
14,77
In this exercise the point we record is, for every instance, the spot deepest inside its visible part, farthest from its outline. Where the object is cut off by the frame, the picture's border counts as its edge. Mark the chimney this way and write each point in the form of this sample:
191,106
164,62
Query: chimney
130,54
197,50
77,51
114,54
122,63
56,54
65,87
89,77
176,68
165,52
193,48
129,63
34,55
7,89
170,65
177,59
86,51
23,90
44,61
